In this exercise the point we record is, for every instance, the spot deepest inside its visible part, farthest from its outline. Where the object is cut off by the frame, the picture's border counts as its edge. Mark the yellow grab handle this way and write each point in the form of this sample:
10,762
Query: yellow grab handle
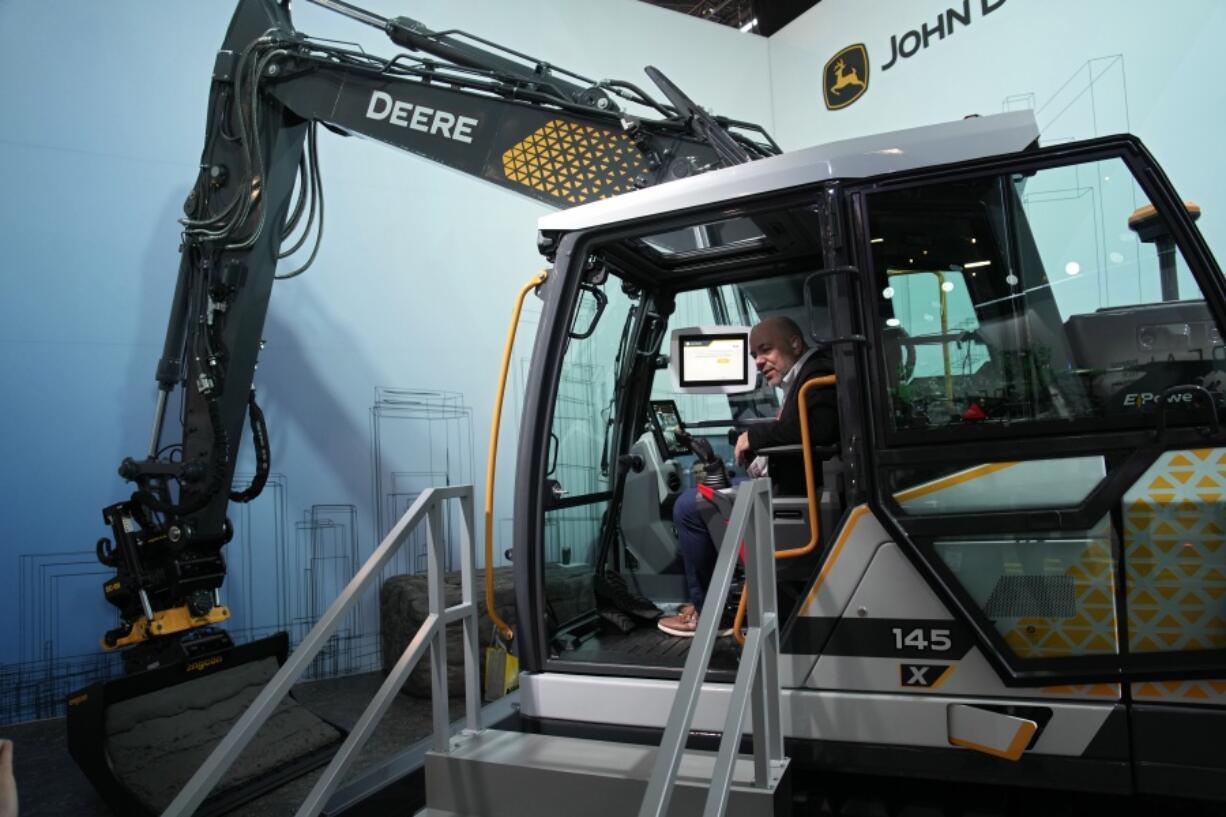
503,628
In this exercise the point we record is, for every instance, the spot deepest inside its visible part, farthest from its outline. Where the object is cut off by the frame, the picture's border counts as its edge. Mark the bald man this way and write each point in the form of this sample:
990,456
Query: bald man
785,361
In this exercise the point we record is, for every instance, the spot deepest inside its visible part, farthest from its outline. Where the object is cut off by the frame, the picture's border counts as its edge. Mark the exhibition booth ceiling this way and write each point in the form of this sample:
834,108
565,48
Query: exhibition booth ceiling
763,17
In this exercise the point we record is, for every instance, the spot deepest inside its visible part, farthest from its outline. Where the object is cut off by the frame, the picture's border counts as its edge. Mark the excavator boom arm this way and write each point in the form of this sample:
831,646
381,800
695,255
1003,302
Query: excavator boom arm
487,111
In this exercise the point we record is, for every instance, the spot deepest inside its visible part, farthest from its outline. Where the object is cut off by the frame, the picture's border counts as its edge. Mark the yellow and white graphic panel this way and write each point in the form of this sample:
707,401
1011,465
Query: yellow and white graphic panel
1175,565
895,635
1049,595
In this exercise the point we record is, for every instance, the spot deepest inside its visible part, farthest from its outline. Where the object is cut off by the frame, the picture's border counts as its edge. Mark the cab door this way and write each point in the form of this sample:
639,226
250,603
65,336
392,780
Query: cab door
1045,387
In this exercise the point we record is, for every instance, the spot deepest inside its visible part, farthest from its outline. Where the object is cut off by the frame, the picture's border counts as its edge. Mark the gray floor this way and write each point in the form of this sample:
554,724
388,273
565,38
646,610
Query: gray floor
50,785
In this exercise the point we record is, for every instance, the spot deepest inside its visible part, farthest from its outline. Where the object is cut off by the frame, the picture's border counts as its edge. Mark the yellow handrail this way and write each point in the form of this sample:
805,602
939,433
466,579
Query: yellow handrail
810,493
503,628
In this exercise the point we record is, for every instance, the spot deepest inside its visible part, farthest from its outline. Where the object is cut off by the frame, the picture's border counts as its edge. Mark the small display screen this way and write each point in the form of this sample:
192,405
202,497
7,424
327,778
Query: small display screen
714,360
666,420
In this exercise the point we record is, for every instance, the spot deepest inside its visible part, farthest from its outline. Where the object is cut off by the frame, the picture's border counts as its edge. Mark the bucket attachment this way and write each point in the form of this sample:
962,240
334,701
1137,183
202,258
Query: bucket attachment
140,738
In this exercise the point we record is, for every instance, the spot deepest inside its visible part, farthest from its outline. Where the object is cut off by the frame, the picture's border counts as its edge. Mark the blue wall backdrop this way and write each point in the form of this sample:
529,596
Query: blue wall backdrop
381,361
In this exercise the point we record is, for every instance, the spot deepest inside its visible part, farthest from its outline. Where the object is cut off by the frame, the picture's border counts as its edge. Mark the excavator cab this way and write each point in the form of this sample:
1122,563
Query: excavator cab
1021,532
656,380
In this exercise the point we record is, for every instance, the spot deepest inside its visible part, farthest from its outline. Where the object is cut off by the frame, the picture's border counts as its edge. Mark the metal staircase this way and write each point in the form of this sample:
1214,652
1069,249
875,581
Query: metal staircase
495,773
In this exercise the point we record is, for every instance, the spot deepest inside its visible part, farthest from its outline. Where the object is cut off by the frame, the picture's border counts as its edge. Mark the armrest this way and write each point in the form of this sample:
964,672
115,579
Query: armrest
795,448
822,451
753,421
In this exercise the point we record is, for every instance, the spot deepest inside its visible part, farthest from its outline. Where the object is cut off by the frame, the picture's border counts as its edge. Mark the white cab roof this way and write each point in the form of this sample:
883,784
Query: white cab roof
857,158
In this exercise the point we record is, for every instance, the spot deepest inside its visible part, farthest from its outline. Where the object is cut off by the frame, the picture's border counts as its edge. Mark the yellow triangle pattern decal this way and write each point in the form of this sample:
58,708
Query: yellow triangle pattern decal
1175,564
574,163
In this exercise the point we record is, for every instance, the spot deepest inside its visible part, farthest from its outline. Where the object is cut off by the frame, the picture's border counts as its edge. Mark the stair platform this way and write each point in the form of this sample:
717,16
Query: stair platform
496,773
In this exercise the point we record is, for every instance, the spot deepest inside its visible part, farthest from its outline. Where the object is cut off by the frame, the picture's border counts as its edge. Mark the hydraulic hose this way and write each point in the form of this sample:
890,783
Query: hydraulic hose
503,628
810,493
263,454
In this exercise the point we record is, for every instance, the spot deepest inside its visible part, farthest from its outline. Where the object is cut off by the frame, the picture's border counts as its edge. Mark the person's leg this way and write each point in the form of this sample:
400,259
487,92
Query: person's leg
694,543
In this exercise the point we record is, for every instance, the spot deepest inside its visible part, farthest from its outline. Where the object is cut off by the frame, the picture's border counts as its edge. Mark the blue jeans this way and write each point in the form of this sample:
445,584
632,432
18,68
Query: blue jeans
698,552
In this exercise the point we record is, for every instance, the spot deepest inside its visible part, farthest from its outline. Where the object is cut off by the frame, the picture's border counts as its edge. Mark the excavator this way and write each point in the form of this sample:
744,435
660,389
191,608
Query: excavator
453,98
1008,568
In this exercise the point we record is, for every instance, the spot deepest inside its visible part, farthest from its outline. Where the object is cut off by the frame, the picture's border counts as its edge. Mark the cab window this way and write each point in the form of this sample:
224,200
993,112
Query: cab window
1053,296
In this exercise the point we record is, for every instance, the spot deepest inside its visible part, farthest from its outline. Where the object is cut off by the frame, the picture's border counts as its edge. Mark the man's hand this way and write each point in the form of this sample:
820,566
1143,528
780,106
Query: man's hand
742,452
8,784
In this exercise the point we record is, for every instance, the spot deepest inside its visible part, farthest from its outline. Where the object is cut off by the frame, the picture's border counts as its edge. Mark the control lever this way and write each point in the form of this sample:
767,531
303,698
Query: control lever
716,472
631,462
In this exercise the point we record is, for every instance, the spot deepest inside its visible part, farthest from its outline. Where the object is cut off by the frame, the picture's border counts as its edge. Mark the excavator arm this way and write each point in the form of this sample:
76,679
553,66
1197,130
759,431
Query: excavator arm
466,103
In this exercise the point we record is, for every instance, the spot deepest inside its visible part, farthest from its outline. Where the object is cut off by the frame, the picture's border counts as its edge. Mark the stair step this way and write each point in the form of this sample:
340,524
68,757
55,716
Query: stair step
494,773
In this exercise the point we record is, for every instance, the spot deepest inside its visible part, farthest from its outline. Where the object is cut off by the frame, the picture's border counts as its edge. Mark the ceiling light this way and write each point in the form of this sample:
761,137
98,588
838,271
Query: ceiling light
974,264
1072,268
750,26
887,293
947,286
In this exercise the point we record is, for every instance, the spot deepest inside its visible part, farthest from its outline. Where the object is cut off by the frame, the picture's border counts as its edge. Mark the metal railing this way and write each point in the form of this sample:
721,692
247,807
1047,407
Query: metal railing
432,634
757,678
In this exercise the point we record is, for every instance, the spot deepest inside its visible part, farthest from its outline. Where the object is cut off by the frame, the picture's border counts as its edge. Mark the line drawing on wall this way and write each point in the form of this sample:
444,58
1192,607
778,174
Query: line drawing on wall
49,585
33,690
46,582
420,438
256,560
325,558
1092,102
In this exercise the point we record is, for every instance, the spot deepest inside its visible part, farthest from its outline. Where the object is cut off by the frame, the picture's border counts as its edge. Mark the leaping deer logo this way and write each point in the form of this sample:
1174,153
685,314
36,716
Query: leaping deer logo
842,80
845,77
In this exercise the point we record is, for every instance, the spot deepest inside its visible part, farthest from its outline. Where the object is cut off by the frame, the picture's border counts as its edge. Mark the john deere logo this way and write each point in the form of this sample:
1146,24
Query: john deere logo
846,77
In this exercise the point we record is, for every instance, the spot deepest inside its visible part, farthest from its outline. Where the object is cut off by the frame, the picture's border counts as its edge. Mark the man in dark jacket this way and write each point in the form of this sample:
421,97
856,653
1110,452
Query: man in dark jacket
786,362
